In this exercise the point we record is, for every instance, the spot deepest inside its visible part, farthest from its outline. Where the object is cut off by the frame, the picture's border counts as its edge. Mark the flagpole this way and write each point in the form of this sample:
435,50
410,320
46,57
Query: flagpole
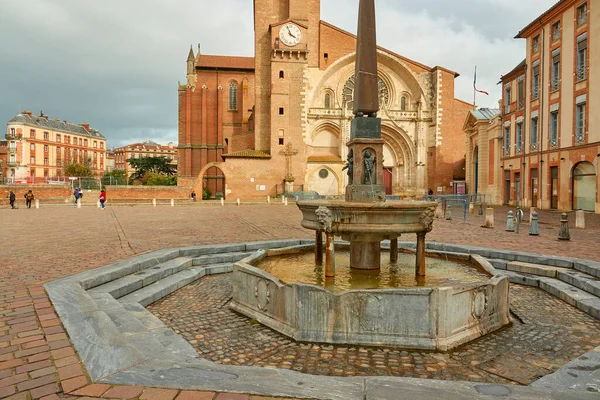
474,91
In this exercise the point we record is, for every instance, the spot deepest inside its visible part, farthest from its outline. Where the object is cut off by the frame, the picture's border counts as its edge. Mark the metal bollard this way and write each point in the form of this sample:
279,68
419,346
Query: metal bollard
563,233
153,202
238,201
282,199
269,199
533,229
222,202
37,203
480,212
98,205
78,203
172,202
510,222
285,201
518,219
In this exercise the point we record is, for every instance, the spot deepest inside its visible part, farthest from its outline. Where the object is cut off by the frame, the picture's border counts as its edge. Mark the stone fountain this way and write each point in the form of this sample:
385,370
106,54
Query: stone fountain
365,218
420,317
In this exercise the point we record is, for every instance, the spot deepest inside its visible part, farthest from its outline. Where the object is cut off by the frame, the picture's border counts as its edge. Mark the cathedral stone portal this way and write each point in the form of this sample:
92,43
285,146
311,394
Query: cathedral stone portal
242,115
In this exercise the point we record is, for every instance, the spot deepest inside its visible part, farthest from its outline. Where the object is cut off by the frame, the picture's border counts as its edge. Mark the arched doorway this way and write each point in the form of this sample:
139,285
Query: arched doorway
584,186
476,170
324,181
389,165
213,184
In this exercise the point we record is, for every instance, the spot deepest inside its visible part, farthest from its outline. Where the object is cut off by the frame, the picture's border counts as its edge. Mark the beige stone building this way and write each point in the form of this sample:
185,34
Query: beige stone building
39,148
484,144
248,126
550,112
147,148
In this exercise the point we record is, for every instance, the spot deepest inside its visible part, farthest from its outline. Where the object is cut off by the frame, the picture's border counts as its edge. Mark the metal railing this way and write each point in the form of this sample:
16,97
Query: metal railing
452,200
555,85
581,72
280,190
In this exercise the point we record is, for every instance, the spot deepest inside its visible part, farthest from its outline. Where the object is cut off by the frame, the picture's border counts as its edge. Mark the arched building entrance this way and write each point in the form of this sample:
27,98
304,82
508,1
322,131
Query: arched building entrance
584,186
213,179
323,181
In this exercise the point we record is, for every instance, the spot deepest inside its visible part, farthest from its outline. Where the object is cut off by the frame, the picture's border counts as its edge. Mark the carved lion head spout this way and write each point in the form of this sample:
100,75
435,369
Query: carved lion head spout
324,218
426,219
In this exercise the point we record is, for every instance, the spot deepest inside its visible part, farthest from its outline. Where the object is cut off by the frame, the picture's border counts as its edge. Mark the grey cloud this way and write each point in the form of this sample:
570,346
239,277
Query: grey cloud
116,63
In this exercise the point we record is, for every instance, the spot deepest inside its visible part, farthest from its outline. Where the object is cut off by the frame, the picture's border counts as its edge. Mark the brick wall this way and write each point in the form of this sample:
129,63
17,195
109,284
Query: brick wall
39,191
61,192
148,192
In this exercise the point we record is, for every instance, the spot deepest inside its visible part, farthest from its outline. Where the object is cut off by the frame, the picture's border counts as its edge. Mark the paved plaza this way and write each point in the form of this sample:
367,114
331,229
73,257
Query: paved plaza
37,359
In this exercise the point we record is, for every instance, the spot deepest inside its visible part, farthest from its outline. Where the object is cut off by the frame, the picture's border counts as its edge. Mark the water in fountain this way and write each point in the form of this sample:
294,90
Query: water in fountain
300,268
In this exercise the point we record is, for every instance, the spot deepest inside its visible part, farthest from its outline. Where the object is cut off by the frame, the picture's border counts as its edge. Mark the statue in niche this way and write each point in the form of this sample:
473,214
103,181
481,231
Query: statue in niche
369,168
350,166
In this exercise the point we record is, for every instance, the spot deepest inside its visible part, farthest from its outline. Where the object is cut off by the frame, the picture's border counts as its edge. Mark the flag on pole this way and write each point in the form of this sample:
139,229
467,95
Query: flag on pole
475,83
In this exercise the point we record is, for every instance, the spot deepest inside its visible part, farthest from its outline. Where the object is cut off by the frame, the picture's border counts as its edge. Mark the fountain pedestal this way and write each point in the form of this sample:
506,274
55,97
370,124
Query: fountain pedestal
365,255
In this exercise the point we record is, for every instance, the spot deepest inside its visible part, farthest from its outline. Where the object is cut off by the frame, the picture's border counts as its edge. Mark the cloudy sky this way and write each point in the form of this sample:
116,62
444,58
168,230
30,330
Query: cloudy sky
116,63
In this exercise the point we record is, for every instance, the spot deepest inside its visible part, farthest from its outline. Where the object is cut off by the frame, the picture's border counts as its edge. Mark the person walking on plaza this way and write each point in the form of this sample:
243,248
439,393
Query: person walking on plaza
28,198
76,197
13,198
102,198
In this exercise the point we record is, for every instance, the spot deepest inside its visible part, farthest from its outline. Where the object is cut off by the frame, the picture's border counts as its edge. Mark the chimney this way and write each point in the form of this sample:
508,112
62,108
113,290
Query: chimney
85,126
26,112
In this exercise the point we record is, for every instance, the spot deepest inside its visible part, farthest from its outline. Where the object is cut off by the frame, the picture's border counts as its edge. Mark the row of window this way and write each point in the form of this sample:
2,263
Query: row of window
58,150
580,129
555,71
67,139
327,102
581,14
58,162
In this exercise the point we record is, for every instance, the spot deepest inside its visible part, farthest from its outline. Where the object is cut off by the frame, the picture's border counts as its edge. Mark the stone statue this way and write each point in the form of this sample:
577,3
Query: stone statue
369,167
350,166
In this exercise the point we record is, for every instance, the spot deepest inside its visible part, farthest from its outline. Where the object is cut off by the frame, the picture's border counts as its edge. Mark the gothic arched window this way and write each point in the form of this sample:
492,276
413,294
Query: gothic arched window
233,96
403,103
348,93
327,100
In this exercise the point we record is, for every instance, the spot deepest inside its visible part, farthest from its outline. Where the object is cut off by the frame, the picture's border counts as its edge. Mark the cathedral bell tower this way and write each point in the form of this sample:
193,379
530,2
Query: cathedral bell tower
286,42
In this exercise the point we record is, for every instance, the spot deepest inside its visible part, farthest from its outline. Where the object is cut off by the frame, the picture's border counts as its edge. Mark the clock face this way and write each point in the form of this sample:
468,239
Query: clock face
290,34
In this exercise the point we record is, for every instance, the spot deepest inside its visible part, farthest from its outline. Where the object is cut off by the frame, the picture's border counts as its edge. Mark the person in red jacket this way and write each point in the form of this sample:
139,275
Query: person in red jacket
102,198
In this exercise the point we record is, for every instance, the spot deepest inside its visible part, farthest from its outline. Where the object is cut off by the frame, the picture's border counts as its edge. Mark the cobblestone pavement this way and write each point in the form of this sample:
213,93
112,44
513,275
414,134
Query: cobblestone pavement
547,333
37,360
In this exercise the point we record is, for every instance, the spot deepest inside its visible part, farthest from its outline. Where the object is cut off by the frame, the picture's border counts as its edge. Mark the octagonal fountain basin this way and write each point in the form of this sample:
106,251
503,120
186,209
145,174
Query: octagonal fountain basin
445,312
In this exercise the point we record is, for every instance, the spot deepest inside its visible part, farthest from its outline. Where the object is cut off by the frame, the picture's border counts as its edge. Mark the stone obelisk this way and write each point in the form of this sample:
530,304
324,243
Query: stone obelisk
365,148
366,100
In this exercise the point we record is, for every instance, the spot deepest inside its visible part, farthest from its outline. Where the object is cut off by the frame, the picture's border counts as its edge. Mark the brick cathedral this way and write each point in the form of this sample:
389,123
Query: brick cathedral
249,126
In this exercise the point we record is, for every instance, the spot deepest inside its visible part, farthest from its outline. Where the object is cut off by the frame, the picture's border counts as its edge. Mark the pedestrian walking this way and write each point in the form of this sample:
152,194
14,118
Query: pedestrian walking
28,198
13,198
75,197
102,198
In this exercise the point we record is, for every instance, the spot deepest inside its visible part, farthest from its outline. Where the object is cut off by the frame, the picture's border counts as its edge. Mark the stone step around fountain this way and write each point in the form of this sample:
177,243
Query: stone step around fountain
534,269
149,294
584,298
137,280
